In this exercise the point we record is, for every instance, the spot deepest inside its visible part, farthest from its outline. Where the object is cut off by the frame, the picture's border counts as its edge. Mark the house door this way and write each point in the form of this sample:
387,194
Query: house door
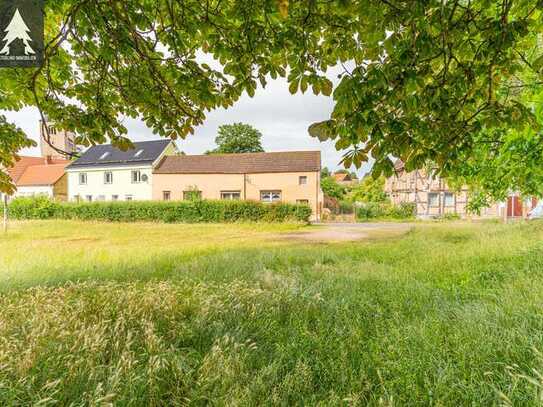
514,207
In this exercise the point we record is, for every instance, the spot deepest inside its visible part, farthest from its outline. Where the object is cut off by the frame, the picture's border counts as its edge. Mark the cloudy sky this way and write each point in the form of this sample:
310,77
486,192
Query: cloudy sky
282,118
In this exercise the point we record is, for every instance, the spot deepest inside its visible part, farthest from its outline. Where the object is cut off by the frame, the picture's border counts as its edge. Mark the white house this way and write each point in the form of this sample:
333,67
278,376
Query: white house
39,176
105,173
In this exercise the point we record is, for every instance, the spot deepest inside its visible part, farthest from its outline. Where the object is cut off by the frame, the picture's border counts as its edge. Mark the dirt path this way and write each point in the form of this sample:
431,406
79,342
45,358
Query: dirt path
342,232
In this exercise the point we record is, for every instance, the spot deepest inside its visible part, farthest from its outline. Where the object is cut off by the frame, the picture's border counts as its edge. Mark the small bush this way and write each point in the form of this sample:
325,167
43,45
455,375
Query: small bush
372,210
345,207
449,216
194,211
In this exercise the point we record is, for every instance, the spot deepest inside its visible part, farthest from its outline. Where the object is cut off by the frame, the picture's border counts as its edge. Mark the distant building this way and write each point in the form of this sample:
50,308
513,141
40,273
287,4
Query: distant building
344,178
290,176
430,193
61,139
34,176
105,173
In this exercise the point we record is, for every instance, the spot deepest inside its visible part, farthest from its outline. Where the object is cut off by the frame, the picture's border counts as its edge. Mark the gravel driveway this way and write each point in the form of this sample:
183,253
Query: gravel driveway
341,232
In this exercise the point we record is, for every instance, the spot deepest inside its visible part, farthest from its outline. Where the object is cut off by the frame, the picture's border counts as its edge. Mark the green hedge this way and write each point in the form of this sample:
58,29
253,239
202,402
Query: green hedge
152,211
372,210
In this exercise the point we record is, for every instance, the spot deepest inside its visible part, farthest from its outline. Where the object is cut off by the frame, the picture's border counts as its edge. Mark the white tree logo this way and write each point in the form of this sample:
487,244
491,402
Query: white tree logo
17,29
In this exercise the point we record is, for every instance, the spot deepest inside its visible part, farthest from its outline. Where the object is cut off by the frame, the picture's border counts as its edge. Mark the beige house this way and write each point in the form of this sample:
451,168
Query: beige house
432,195
292,177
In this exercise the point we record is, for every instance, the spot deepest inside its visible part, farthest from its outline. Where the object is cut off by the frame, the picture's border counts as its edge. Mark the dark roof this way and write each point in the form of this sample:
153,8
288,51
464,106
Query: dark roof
96,155
247,163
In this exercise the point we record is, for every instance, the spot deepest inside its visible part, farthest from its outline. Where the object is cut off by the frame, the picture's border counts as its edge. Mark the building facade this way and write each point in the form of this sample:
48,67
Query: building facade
46,179
61,139
292,177
431,194
34,176
105,173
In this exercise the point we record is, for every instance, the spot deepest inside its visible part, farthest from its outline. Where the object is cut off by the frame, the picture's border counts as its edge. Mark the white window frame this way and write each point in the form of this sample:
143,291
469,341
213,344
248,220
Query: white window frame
135,176
436,195
302,180
229,195
270,196
82,177
88,198
129,197
451,196
114,197
106,177
168,194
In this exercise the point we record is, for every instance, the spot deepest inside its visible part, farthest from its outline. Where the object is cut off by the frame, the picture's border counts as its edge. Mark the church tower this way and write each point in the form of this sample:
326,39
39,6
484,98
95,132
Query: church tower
61,139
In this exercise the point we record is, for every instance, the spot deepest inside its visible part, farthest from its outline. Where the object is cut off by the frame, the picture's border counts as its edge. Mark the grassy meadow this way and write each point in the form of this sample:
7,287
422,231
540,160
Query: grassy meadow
149,314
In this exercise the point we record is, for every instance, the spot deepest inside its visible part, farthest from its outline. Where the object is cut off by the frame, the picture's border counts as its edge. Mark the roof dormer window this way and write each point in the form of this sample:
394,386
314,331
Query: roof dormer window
138,153
104,155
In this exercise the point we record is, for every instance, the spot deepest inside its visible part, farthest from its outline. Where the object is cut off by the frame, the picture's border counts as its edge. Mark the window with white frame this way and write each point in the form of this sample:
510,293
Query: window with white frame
129,197
88,198
82,178
166,195
302,180
270,196
433,199
231,195
108,177
448,199
136,177
101,198
114,197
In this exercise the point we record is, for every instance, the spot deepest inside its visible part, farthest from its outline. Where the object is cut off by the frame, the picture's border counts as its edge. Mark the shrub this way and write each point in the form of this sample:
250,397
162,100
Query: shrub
372,210
346,207
330,187
449,216
404,210
194,211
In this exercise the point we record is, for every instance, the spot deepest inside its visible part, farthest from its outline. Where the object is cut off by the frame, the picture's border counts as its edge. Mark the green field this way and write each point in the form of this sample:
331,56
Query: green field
147,314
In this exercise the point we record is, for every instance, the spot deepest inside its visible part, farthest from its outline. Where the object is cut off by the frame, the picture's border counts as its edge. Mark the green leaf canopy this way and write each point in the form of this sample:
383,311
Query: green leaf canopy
425,77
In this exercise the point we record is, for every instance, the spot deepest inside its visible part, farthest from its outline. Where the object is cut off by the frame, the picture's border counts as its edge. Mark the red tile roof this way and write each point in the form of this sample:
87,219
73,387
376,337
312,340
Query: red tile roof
342,177
20,166
24,162
289,161
37,170
44,174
